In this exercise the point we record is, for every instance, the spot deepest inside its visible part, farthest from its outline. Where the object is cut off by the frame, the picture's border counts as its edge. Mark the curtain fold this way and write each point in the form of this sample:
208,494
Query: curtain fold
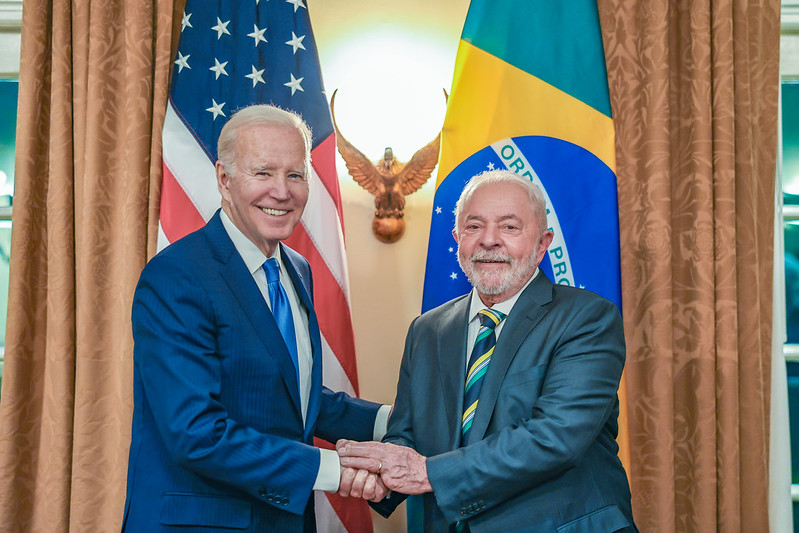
93,88
694,89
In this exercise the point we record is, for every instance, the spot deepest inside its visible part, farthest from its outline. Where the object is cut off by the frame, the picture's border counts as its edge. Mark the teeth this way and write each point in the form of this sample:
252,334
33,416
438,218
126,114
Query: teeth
275,212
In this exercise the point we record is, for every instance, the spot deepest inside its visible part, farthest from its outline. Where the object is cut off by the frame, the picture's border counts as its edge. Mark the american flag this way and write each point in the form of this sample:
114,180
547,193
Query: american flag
237,53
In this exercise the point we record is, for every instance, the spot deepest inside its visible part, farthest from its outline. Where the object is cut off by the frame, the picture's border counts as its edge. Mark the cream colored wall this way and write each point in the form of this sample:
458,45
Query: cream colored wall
386,279
386,285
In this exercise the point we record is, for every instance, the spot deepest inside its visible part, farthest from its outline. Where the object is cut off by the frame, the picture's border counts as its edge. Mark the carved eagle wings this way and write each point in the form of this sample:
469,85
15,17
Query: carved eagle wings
389,180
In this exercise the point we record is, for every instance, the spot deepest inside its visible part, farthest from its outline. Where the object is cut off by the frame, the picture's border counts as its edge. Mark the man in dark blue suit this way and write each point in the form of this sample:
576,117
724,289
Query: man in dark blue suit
227,399
533,449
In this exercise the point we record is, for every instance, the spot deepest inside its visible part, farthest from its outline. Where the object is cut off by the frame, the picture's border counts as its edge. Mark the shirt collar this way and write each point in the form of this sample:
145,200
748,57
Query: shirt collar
503,307
253,257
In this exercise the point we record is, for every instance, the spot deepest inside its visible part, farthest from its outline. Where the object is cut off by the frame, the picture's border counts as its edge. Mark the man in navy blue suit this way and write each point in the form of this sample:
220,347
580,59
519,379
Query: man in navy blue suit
226,402
535,448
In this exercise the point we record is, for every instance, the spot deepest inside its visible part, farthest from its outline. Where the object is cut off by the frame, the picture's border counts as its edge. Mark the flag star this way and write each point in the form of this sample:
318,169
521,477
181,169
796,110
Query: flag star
297,4
220,28
296,42
257,76
438,210
182,61
453,275
295,84
257,34
216,109
185,22
491,166
451,249
219,68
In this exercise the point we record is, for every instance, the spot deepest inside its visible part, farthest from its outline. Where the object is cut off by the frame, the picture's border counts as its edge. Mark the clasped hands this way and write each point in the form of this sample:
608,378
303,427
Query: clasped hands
370,470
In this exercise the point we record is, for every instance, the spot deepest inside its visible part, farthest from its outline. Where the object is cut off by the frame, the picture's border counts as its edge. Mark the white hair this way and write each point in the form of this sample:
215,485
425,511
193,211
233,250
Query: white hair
260,114
504,176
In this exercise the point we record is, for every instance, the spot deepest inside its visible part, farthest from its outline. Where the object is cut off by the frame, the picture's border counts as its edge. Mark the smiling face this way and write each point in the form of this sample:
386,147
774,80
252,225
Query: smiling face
266,192
499,241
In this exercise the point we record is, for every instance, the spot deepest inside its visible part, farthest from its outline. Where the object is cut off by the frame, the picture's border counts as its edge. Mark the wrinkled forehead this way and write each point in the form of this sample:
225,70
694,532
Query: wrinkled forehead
254,131
511,197
257,138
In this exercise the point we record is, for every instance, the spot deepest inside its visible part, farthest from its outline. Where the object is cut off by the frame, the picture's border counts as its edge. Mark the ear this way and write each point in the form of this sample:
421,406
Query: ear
222,181
455,235
543,244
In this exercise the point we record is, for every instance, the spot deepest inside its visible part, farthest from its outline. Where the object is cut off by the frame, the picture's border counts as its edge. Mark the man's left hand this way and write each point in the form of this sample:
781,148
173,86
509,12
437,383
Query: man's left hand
361,484
400,468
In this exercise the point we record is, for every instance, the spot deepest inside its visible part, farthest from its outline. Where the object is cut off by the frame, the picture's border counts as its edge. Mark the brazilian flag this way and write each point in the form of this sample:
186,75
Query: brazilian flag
530,94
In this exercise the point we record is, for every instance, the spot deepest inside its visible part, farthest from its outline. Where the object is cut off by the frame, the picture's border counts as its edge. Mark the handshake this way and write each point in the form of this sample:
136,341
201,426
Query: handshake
370,470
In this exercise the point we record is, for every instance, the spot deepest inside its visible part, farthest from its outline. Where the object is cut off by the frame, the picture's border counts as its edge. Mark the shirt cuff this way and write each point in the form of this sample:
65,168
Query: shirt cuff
381,423
329,474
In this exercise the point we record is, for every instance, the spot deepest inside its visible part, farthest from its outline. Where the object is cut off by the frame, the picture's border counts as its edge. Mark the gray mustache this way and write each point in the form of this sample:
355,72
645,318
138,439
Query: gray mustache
484,255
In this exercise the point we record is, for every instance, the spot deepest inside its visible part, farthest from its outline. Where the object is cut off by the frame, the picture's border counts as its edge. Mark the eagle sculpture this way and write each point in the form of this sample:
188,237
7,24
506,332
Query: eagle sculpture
388,180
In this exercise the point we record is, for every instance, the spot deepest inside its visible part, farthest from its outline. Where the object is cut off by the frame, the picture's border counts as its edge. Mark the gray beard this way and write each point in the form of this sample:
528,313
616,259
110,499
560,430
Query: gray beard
493,283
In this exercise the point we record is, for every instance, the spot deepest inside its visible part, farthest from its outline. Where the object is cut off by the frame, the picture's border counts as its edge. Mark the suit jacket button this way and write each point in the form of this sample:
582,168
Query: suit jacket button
262,493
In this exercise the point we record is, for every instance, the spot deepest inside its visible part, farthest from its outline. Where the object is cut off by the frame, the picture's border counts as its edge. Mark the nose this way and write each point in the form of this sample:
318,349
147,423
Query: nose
280,188
490,237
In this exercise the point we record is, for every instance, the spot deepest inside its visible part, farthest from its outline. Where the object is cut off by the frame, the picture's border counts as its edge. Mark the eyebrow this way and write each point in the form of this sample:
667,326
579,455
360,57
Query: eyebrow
258,168
500,219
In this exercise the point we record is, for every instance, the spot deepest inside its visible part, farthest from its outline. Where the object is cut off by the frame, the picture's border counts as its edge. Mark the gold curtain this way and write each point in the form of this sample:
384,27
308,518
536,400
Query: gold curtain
93,88
694,89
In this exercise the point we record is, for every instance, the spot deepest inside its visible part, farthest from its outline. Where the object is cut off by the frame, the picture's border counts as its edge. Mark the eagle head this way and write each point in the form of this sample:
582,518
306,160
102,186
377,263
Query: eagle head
388,158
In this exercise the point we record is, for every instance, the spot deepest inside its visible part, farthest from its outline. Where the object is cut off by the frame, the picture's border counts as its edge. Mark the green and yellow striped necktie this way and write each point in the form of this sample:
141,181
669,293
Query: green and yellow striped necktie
478,365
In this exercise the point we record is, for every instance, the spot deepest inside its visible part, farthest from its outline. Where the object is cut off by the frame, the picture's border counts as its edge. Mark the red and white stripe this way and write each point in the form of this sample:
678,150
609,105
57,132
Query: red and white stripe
189,197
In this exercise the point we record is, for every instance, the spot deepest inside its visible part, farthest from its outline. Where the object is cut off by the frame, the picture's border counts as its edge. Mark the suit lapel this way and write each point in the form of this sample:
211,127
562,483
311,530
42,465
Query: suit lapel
302,285
452,365
521,322
249,297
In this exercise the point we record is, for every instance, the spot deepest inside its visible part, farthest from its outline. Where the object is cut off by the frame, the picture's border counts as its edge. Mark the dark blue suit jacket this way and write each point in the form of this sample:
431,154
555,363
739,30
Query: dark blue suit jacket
218,438
543,455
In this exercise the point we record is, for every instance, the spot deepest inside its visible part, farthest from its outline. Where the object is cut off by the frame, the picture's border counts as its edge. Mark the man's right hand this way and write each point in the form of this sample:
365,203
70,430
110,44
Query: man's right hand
400,468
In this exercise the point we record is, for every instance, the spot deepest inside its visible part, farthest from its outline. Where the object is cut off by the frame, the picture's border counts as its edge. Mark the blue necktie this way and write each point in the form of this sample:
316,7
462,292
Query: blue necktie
478,366
281,310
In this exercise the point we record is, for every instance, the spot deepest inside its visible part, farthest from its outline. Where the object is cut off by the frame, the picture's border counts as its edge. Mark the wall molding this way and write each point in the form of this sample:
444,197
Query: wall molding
11,15
789,19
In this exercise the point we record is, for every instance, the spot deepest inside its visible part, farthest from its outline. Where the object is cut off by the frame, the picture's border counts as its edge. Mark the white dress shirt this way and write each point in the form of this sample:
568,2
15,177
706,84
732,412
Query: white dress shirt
477,305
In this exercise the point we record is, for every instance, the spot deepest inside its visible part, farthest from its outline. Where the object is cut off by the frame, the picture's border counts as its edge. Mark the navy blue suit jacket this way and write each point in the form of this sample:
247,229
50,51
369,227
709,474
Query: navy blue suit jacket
542,454
218,439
